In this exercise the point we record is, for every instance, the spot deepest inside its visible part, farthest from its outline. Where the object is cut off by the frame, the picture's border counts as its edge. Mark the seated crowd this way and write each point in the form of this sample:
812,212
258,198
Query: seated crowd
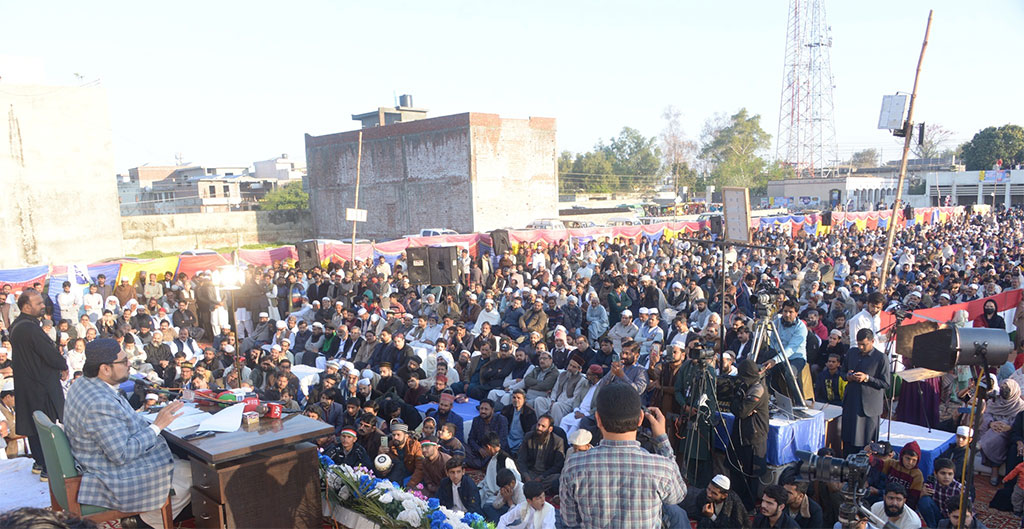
533,337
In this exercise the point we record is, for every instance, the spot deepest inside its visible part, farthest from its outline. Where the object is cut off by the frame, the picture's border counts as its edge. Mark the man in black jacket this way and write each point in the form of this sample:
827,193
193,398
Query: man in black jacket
750,429
37,364
717,506
805,511
348,451
542,456
519,411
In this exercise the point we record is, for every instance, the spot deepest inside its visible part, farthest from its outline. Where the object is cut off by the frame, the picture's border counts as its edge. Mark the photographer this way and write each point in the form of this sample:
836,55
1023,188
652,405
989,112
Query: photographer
750,430
695,395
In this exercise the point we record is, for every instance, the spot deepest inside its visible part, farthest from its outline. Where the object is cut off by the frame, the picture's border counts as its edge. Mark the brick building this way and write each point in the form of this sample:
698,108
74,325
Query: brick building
467,172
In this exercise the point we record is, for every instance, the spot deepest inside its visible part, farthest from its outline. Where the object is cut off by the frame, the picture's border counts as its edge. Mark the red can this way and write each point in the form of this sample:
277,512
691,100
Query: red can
274,410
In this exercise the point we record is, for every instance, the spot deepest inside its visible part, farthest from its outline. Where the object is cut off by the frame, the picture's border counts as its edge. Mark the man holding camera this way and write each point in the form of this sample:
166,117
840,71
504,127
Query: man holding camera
695,395
750,430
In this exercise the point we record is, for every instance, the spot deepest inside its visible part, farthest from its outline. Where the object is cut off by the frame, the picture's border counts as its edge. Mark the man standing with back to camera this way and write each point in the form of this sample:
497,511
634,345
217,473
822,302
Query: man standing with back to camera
37,365
618,484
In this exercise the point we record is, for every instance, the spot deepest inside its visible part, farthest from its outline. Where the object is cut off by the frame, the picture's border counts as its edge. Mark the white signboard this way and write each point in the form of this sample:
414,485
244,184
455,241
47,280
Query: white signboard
736,214
891,117
356,215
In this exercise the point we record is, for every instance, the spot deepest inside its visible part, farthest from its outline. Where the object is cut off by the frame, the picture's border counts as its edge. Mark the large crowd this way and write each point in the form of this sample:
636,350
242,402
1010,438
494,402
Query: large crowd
597,368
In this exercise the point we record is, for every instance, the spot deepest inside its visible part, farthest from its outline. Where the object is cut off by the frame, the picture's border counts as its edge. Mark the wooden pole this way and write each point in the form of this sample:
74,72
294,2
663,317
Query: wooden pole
359,162
909,127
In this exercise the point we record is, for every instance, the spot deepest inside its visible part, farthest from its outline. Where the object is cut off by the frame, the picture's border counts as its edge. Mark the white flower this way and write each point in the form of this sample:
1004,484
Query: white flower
384,485
411,505
386,498
344,493
410,516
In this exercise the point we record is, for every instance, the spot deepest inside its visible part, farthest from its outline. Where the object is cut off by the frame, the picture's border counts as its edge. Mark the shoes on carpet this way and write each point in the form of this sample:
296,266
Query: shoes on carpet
36,468
43,476
994,481
134,522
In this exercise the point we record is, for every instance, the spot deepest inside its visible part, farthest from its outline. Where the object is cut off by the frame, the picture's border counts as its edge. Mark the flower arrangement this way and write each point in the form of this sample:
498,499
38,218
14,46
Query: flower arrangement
387,504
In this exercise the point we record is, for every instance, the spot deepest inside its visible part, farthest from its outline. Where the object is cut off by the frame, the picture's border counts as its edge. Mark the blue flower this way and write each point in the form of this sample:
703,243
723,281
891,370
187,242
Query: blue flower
325,461
437,516
446,525
433,503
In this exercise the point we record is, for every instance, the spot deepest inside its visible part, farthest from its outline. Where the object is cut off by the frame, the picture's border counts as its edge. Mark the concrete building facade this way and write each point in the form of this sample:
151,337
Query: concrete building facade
467,172
856,193
61,206
995,187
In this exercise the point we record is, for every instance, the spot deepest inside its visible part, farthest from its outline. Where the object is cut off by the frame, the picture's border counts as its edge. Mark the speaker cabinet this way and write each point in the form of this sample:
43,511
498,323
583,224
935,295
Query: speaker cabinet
418,261
444,265
309,255
715,225
826,218
499,242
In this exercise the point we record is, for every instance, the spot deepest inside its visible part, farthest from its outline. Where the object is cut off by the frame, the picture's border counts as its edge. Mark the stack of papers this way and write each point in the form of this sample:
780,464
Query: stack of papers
191,417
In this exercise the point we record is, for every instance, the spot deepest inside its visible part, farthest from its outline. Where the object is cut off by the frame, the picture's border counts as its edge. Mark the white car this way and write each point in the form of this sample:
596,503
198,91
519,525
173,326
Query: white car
199,251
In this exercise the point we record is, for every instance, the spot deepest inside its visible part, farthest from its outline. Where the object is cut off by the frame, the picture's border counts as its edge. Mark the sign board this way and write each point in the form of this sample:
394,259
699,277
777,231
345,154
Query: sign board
355,215
736,214
891,117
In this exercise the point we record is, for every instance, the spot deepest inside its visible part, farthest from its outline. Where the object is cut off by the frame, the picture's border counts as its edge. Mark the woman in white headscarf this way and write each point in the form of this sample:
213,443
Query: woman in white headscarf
996,422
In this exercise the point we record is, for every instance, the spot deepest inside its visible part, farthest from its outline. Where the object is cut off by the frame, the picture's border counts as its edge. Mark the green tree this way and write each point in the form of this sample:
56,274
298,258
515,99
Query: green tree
734,152
865,158
991,144
291,196
635,158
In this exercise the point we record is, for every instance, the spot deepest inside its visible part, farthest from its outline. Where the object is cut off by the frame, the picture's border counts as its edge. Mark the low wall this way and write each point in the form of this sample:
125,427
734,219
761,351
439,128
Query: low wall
188,231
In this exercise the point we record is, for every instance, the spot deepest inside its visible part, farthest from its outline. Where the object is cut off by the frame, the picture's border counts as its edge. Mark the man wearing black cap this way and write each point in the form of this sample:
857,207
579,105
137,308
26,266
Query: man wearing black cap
126,464
750,429
36,363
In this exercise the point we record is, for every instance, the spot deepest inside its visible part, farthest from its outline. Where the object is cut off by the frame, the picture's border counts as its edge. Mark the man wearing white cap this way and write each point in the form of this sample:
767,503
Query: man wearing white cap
718,506
624,330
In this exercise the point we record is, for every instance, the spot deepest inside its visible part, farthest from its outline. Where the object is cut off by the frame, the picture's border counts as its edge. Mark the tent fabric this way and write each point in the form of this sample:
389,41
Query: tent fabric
130,268
21,278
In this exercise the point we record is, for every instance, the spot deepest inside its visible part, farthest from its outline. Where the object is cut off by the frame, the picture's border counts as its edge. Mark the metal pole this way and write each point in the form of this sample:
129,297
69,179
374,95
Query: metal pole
909,127
721,332
359,162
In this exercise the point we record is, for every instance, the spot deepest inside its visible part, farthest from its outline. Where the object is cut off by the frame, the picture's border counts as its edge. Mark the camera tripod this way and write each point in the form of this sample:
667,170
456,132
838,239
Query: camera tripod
699,429
765,333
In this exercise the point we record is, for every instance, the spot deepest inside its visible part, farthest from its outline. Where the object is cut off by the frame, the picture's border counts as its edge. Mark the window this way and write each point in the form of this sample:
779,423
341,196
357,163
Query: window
213,191
227,191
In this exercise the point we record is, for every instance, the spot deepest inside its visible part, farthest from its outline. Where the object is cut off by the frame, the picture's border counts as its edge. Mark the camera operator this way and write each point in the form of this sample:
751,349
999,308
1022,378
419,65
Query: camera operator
749,431
695,395
793,334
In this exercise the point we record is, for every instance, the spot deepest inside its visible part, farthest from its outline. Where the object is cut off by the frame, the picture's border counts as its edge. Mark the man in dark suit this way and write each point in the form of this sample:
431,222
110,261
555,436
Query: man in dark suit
743,293
867,377
37,365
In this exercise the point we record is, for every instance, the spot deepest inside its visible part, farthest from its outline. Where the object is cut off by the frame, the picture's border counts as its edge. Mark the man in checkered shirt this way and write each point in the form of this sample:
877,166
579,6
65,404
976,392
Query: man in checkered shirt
618,484
126,464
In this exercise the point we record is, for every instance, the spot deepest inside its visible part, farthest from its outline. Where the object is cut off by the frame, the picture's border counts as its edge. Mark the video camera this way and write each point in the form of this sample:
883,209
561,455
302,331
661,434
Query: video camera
701,351
763,298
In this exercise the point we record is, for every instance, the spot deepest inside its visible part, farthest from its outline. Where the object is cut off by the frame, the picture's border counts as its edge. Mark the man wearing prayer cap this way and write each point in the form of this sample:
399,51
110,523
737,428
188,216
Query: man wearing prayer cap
126,464
718,506
444,414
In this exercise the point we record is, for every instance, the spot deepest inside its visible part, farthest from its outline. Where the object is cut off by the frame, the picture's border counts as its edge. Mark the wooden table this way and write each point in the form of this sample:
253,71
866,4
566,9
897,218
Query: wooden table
262,475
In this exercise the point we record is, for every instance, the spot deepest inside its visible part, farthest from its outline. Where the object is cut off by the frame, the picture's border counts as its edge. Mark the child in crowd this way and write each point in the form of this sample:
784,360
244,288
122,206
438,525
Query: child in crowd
1018,492
938,489
904,471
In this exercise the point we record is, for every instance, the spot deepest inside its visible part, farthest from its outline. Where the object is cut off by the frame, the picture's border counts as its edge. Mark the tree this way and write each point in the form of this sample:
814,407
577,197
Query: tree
935,138
992,144
734,151
291,196
677,150
865,158
630,162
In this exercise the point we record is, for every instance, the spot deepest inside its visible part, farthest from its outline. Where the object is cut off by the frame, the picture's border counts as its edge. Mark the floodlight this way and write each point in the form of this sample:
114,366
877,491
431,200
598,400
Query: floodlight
943,349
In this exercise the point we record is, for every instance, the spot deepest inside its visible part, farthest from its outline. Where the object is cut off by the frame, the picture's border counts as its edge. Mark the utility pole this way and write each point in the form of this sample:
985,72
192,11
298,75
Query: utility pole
359,162
908,128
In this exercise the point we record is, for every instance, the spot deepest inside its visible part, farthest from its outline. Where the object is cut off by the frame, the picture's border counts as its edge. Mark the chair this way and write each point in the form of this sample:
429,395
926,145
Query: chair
65,479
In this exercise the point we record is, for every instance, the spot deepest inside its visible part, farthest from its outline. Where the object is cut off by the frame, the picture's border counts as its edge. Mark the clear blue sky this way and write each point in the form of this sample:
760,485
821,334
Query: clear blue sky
228,83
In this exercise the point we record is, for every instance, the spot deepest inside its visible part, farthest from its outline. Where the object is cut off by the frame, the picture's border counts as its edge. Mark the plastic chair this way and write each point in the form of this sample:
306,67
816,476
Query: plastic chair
65,479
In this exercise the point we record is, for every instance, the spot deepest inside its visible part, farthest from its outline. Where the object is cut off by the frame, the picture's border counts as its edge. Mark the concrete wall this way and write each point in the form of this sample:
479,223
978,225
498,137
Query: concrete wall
414,175
188,231
465,172
515,171
56,170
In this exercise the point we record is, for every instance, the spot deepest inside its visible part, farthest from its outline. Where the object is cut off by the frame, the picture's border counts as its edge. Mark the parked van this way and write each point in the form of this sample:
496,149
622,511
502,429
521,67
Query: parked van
623,221
546,224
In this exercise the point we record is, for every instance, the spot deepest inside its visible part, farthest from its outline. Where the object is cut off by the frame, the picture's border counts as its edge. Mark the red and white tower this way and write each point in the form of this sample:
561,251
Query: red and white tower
807,133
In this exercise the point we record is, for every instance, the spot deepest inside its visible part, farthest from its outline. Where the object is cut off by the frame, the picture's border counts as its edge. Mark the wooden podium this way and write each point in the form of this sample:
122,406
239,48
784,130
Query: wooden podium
263,475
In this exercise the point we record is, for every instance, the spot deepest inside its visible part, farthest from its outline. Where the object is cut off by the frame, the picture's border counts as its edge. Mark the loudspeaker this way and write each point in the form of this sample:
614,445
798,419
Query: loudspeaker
444,265
826,218
499,242
715,224
419,265
309,255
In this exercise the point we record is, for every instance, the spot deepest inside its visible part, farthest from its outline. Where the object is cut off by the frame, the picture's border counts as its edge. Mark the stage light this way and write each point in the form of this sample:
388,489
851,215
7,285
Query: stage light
944,349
